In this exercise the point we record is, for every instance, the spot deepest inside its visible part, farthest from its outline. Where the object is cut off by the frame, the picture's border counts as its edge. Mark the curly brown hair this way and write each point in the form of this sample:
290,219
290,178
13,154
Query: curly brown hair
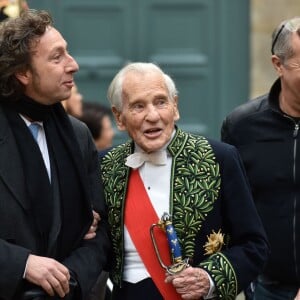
18,37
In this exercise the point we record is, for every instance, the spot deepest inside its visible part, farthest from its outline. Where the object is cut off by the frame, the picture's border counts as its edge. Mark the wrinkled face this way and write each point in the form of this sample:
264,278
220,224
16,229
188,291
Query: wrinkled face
148,113
289,72
50,78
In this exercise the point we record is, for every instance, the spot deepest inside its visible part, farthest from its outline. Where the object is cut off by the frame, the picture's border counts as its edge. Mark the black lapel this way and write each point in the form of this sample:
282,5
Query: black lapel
11,171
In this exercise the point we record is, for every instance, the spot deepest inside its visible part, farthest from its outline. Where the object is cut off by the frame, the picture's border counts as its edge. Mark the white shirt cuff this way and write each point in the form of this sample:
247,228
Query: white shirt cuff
212,288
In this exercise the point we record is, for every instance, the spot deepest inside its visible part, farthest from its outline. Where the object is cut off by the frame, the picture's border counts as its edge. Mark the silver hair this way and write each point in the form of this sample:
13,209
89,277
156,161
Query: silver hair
281,38
115,90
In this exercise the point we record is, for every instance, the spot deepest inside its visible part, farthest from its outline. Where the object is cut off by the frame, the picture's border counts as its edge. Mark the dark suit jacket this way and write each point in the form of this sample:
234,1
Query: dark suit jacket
17,235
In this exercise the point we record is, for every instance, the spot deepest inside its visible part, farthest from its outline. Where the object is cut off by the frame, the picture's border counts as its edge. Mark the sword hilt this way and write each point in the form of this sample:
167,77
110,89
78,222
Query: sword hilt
178,264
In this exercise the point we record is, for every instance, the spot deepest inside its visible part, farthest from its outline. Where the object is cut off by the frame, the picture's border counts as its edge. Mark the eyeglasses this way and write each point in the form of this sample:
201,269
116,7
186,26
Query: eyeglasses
276,38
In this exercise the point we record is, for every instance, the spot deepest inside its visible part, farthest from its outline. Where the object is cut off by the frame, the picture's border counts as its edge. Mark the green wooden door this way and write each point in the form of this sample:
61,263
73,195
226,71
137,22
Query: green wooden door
202,44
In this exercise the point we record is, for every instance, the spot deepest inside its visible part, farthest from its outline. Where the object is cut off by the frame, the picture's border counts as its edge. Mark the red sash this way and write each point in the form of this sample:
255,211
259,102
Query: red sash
139,216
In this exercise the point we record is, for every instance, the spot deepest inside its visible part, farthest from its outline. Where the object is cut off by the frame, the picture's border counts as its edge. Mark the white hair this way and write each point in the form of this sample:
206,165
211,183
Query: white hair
114,93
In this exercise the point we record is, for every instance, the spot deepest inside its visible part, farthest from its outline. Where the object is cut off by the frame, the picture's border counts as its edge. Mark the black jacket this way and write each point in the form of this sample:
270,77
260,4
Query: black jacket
17,237
269,143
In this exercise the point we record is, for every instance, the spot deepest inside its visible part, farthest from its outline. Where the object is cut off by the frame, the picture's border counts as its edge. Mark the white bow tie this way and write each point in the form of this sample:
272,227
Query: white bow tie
137,159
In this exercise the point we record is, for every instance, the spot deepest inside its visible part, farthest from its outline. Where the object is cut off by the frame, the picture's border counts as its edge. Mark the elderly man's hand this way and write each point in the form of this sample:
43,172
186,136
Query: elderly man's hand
191,283
92,230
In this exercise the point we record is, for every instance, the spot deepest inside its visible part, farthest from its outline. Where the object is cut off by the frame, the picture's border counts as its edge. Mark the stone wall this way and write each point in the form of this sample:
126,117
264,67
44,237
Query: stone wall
264,17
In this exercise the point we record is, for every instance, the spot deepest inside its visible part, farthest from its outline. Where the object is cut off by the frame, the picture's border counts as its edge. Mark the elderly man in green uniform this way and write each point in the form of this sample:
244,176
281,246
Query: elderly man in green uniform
199,182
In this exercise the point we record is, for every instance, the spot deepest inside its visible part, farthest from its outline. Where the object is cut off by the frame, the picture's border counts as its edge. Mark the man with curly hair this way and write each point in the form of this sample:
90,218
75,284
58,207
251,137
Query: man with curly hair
51,245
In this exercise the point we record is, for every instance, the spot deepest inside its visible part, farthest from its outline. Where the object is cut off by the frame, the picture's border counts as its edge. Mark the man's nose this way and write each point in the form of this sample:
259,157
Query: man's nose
72,65
152,113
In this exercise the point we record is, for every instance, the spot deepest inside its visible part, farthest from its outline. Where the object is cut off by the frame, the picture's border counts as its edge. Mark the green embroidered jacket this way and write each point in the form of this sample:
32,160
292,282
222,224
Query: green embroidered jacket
195,206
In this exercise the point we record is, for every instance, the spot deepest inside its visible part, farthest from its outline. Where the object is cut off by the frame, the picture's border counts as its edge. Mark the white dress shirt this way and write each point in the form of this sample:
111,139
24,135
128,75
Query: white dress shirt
156,179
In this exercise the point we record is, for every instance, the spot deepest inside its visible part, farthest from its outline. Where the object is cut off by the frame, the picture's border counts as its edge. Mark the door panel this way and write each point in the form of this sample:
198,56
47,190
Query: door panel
98,40
168,37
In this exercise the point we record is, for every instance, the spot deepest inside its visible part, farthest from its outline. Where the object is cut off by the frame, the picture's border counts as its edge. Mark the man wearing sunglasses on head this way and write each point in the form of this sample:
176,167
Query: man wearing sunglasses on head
266,133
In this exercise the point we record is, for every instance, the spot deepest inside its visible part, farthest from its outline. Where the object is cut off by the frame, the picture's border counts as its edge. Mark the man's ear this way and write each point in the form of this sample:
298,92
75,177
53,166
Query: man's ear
277,64
23,76
118,118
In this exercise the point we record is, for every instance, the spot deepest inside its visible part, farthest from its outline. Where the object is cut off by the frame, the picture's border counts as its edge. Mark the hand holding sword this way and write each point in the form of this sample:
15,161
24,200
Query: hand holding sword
189,282
178,264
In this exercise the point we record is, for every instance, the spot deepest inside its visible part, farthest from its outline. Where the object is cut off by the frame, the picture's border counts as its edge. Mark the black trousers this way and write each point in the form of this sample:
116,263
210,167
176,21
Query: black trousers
145,290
